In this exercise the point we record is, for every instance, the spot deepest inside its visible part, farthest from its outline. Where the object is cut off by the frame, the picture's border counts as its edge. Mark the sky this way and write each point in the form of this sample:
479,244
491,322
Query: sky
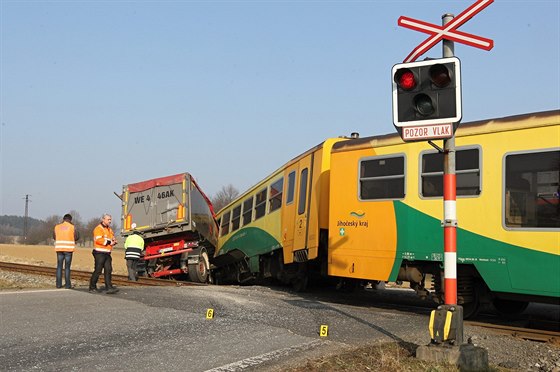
98,94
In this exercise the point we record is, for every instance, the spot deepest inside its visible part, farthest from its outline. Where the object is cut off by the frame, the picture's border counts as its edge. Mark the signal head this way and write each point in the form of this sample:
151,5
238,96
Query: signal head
405,79
427,92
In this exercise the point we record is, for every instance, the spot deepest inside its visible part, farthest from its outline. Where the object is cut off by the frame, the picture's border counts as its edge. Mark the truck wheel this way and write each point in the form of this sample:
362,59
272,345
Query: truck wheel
150,268
199,272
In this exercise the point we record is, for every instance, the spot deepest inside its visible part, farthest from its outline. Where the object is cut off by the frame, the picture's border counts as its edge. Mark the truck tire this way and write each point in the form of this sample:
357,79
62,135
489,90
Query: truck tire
199,272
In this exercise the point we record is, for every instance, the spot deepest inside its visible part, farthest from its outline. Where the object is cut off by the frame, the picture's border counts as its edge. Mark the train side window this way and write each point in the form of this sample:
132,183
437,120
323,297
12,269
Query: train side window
291,187
236,218
275,195
225,224
260,204
302,190
467,168
531,190
247,211
382,178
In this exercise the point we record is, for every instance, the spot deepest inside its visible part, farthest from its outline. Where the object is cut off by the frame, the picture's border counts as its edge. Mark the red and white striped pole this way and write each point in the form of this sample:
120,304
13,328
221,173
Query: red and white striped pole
449,202
450,237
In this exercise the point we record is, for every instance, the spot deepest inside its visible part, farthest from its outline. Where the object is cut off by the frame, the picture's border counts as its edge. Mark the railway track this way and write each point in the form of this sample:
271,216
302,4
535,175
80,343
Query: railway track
552,337
120,280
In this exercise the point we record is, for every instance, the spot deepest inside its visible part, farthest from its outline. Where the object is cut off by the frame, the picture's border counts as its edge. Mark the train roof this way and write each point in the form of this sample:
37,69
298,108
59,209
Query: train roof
544,118
483,126
326,143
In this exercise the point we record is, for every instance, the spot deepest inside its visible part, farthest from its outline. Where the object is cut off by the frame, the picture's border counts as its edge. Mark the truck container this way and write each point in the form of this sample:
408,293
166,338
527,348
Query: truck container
178,225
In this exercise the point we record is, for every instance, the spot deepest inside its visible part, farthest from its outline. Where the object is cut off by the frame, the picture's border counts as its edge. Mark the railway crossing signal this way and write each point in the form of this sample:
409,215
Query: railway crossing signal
427,92
427,101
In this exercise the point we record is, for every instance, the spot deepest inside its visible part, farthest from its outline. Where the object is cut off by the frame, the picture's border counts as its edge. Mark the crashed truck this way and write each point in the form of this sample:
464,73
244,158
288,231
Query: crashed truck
178,225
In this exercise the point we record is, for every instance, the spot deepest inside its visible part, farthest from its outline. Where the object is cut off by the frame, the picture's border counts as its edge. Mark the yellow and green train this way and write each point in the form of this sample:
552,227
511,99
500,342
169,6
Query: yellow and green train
370,209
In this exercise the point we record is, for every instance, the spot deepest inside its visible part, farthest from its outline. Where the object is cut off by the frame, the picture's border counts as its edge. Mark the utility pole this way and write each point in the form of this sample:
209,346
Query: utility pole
449,201
25,218
446,323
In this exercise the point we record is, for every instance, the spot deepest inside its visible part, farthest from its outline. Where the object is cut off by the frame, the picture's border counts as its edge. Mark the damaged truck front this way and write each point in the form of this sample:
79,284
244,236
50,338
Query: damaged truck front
178,225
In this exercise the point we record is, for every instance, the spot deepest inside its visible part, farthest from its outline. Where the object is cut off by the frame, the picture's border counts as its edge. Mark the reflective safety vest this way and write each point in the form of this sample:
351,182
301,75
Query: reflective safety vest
102,237
64,237
134,245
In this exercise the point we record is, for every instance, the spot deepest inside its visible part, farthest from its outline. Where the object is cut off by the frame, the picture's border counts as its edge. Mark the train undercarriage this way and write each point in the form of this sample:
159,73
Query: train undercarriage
425,278
472,292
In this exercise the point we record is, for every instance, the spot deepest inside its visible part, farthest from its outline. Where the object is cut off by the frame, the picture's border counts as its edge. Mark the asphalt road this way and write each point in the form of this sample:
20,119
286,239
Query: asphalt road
166,328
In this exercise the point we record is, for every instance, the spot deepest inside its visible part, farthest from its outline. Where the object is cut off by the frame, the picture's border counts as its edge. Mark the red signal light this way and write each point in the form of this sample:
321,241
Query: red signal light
406,79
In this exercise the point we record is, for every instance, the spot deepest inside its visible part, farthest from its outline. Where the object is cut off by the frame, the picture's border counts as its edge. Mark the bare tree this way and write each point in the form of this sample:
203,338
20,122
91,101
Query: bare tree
44,232
89,227
223,197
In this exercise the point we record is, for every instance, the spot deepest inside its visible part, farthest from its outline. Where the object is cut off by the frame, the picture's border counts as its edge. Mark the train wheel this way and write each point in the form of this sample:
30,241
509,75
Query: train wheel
299,284
347,285
509,308
471,309
469,292
199,272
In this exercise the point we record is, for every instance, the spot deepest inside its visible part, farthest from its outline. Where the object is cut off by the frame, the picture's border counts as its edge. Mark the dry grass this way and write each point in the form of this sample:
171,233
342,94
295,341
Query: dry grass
378,357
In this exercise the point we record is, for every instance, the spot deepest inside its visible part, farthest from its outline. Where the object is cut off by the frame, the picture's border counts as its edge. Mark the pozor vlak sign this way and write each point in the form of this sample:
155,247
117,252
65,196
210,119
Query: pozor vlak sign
427,98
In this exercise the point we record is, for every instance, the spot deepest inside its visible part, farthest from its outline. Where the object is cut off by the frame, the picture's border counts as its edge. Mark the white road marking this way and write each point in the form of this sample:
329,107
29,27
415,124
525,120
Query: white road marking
263,358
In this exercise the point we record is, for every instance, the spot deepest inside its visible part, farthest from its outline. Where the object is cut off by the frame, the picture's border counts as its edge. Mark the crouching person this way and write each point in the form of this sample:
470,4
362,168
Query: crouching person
133,245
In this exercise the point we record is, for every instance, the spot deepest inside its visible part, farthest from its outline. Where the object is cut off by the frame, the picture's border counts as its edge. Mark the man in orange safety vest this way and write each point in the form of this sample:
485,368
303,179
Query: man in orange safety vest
103,243
65,237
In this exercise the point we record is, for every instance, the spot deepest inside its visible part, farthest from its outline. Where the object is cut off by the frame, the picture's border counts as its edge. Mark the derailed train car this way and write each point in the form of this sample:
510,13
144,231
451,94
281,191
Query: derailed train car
279,226
370,209
177,222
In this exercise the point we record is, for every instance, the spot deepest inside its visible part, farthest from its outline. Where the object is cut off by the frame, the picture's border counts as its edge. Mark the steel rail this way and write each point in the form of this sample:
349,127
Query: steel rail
121,280
552,337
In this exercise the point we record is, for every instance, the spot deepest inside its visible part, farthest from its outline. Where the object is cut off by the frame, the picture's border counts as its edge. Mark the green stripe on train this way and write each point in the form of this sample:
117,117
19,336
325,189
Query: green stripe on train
504,267
252,241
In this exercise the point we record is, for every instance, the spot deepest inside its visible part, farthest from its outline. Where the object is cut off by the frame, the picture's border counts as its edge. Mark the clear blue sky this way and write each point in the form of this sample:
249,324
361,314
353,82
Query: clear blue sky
98,94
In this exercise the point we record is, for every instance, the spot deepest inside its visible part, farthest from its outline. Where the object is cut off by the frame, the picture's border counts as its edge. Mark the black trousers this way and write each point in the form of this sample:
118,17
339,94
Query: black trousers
132,267
103,262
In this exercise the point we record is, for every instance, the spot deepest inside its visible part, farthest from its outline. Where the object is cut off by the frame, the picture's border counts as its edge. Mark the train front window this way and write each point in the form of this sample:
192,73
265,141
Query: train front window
467,169
531,190
382,178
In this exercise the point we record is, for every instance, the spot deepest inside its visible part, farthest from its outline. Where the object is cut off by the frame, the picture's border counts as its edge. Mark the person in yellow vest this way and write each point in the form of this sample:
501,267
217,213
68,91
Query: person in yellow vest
133,245
65,237
103,243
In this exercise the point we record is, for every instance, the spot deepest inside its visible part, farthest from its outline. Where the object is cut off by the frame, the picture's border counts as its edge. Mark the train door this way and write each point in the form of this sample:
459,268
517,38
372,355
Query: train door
289,210
295,211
